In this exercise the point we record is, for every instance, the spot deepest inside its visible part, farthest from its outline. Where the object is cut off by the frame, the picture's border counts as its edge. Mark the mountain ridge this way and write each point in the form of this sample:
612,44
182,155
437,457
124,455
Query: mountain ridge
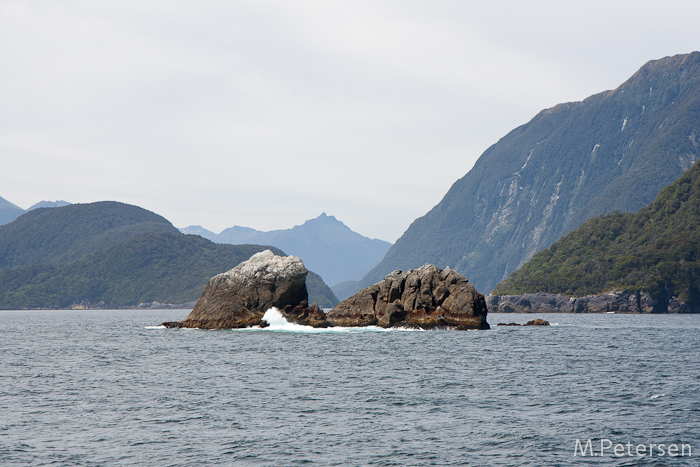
53,235
9,211
612,151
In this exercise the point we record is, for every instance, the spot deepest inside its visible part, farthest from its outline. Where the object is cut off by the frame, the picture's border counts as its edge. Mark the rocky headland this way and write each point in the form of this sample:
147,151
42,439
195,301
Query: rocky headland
615,301
426,298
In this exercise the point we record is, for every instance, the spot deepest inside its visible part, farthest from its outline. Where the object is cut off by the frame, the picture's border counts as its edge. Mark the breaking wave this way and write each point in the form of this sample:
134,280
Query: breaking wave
277,322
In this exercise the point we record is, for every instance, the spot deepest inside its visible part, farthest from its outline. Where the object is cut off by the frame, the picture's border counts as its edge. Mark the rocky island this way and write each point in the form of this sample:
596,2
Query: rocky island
426,298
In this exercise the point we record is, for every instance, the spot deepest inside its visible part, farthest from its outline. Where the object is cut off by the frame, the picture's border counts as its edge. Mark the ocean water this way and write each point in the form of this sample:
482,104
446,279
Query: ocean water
104,388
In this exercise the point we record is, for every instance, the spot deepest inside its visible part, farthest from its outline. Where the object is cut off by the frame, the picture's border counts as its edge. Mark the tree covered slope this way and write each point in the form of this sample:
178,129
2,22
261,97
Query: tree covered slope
655,250
56,235
112,255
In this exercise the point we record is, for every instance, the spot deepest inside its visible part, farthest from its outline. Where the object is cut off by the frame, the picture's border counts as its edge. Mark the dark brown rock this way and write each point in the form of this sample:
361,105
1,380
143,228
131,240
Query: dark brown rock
537,322
426,298
305,315
240,297
534,322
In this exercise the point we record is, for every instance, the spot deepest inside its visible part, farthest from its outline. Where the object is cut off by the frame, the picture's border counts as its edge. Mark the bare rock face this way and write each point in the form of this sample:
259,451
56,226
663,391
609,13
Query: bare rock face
240,297
426,298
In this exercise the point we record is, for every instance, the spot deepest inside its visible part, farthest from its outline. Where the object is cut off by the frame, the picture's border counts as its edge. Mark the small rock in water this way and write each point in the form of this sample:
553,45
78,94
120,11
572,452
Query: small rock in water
537,322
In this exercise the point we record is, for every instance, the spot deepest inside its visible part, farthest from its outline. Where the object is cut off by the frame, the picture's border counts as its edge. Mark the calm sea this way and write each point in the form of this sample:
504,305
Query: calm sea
106,388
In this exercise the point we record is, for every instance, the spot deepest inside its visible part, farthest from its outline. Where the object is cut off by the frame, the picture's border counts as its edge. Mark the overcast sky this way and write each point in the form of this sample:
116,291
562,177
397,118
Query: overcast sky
266,113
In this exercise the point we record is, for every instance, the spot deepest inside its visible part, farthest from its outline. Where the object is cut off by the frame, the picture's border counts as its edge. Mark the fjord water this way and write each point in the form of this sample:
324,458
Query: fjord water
93,388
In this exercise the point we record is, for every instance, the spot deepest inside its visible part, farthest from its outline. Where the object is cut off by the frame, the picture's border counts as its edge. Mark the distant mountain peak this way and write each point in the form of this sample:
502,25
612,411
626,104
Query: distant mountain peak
325,244
325,216
323,219
9,212
49,204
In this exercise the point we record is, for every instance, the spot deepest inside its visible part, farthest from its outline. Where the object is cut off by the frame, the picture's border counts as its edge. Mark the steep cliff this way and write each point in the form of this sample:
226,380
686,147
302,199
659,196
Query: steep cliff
612,151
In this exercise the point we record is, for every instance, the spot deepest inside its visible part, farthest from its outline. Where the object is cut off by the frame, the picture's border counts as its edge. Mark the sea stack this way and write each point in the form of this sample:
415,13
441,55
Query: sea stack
426,298
240,297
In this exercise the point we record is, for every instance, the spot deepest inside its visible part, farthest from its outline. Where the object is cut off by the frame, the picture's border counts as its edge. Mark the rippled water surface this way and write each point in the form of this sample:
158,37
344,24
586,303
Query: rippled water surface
105,388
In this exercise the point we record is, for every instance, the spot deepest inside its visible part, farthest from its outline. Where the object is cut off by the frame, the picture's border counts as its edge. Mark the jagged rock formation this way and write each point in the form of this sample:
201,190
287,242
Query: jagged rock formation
241,296
617,301
613,151
427,297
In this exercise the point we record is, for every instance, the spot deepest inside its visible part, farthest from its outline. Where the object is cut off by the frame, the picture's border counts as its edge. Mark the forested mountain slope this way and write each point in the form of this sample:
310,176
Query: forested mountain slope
110,254
55,235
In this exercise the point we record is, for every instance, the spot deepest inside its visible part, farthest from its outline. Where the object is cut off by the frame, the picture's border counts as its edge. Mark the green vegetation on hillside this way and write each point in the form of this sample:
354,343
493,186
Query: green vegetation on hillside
656,250
112,254
319,292
59,235
158,266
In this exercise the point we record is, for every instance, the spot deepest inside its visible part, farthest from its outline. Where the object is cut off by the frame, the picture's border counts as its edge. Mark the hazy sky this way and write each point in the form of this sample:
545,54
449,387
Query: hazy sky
267,113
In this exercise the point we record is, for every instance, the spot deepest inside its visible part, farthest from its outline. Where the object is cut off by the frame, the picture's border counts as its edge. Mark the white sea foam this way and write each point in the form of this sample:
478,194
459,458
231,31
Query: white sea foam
277,322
